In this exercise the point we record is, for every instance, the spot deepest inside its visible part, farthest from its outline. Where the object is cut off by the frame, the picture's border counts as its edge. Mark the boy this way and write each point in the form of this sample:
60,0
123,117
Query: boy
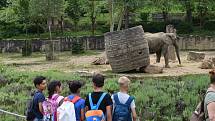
79,103
122,97
106,103
40,84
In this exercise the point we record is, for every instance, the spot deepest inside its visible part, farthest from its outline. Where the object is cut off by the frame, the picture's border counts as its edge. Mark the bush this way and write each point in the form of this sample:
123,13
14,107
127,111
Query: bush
154,27
102,26
182,27
209,25
34,29
144,17
27,49
77,47
10,29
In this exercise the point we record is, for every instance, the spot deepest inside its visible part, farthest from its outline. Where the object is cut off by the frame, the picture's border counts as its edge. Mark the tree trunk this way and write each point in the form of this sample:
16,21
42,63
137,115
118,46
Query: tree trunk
126,16
120,19
93,18
111,15
61,26
38,33
50,44
165,16
189,17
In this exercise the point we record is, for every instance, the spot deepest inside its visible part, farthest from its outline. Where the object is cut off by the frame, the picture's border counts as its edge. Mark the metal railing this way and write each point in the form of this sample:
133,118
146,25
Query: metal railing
13,114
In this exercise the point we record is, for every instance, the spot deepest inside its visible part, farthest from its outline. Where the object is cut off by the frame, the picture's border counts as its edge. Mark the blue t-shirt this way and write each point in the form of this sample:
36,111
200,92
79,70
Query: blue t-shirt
80,104
38,98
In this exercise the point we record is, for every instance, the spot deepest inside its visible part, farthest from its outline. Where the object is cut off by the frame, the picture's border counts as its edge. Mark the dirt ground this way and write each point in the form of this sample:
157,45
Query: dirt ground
71,63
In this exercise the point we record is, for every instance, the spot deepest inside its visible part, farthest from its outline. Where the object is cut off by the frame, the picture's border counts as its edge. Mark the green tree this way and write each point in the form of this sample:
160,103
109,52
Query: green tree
22,10
74,11
164,6
3,3
50,10
124,9
189,7
9,20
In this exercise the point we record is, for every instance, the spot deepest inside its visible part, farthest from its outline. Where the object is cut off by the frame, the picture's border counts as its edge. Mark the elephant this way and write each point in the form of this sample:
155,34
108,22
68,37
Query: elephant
159,44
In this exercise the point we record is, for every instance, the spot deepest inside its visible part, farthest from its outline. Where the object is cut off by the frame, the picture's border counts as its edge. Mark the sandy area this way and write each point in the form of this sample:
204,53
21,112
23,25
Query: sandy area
69,63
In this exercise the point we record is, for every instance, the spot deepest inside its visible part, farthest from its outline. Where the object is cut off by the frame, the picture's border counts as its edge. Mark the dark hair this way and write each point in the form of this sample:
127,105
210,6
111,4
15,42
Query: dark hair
74,86
212,76
52,87
98,80
38,80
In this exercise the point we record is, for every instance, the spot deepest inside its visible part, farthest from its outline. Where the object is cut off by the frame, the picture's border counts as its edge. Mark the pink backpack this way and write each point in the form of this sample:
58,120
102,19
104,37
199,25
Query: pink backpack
50,108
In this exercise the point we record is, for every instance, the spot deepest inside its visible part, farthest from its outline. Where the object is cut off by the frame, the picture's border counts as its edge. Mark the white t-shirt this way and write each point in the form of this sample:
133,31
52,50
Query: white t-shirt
123,97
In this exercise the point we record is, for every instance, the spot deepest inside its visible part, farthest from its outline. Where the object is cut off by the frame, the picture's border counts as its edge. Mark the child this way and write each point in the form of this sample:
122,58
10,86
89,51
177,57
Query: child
122,100
79,103
54,89
53,102
106,103
40,84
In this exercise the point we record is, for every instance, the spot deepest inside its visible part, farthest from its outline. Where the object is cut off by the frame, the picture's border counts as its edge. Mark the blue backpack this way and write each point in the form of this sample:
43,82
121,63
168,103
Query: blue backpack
122,112
94,114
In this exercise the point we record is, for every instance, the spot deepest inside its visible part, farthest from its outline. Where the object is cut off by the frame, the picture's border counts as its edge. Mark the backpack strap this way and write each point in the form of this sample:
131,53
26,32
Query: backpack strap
98,103
116,99
75,99
55,97
100,100
91,101
129,101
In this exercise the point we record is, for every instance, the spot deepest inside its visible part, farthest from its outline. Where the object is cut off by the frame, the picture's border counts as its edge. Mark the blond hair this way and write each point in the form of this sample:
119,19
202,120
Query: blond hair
124,81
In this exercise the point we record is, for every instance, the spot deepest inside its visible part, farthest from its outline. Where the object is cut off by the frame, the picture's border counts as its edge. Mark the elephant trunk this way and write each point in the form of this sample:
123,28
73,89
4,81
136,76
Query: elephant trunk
177,53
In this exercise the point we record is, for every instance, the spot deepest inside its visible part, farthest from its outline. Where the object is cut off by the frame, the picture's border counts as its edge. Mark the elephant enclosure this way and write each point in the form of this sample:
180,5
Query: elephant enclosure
82,64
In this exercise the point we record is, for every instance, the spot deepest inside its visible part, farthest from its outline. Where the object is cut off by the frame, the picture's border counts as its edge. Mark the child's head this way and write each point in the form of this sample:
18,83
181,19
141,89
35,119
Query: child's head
98,80
124,83
74,86
40,83
54,87
212,76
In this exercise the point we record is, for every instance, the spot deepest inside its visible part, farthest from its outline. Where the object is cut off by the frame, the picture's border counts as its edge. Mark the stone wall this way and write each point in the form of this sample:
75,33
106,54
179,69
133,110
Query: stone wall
65,44
191,42
97,43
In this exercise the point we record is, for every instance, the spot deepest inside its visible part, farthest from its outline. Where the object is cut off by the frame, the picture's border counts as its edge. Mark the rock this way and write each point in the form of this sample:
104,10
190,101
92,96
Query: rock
207,64
213,60
196,56
151,69
127,49
100,61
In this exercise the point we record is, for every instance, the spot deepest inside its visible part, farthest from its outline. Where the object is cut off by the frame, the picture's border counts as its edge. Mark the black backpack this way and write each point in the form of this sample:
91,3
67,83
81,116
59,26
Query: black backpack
30,116
199,113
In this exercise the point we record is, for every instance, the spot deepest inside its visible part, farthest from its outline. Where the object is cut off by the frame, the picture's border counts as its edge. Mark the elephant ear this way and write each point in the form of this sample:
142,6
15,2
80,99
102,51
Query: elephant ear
170,38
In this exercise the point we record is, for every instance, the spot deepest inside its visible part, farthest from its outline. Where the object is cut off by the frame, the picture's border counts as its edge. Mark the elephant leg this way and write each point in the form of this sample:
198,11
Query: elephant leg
166,56
158,54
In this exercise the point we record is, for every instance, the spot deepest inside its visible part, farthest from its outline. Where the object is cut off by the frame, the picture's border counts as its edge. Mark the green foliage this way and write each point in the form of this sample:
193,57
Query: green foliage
154,27
209,25
74,10
102,26
182,27
169,99
77,47
3,3
144,17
